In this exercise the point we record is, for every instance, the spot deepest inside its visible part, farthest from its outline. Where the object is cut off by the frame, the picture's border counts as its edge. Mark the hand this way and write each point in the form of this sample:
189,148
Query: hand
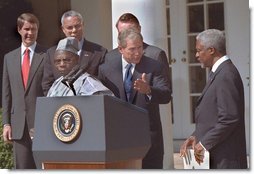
199,152
191,141
142,86
7,134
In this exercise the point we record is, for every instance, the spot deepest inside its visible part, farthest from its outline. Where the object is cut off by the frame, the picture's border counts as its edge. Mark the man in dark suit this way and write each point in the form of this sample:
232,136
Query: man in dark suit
128,20
147,87
220,127
22,76
90,53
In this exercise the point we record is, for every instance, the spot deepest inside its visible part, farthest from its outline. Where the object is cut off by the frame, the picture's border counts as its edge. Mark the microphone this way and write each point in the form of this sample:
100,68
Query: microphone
71,73
66,78
81,71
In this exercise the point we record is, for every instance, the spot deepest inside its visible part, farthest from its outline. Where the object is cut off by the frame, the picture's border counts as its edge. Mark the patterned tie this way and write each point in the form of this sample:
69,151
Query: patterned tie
26,67
210,76
127,81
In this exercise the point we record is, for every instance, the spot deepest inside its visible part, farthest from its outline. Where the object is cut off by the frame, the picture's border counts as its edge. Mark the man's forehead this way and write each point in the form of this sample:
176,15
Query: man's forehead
134,42
126,25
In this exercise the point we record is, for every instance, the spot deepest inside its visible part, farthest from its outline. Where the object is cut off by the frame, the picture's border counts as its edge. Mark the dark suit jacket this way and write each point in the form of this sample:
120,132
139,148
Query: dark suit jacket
159,55
91,54
220,118
19,103
110,73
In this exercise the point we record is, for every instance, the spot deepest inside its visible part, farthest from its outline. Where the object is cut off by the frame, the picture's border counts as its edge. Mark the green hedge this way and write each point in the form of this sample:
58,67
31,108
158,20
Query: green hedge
6,158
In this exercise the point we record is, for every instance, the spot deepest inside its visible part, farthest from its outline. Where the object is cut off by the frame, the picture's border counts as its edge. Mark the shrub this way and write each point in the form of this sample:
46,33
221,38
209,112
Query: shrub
6,156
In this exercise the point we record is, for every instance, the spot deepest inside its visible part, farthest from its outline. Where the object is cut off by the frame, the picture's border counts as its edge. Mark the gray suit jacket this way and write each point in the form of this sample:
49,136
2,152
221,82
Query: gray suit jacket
159,55
220,118
19,103
92,54
110,73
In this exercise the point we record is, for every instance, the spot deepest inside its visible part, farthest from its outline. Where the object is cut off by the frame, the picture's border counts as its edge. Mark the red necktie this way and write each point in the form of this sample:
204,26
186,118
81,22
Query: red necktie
26,67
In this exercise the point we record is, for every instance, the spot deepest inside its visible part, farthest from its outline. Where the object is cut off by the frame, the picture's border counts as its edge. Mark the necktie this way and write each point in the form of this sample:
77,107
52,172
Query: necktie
26,67
127,81
210,76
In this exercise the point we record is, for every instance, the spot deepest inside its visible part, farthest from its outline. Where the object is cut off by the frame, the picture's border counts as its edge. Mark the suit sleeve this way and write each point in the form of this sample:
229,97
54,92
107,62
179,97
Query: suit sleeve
48,75
6,94
104,52
162,58
160,87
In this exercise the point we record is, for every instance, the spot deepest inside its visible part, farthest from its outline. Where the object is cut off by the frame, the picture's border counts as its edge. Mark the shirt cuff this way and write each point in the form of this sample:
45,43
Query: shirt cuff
6,125
149,97
202,145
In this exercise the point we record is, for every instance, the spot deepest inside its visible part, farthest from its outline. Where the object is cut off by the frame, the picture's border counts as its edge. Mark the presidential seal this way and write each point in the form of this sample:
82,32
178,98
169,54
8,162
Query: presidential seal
67,123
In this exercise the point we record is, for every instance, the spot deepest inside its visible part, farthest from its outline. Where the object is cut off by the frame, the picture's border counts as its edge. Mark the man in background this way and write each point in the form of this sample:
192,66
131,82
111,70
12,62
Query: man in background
139,80
22,77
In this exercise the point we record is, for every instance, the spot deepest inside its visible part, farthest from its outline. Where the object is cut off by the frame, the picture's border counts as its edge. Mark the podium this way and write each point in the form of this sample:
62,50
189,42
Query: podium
107,133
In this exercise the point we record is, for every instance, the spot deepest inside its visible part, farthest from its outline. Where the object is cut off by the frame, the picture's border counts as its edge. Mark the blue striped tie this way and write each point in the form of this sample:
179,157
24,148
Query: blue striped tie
127,81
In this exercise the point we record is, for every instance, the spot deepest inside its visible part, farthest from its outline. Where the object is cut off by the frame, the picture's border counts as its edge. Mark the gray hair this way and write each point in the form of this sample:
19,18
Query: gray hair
130,33
71,13
213,38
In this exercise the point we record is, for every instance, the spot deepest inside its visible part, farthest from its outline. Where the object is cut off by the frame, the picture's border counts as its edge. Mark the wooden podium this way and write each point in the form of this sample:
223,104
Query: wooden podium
107,133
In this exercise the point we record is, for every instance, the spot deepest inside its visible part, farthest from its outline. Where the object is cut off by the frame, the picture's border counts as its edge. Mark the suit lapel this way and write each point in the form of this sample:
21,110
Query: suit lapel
119,78
85,57
208,84
37,59
205,89
17,66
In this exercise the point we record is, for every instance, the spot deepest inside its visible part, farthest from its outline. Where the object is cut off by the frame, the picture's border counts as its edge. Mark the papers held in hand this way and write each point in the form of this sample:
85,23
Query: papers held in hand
190,162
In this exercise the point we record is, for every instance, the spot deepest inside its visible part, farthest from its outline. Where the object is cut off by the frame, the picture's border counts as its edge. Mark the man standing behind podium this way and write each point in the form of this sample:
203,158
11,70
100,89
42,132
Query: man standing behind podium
89,52
66,59
139,80
22,76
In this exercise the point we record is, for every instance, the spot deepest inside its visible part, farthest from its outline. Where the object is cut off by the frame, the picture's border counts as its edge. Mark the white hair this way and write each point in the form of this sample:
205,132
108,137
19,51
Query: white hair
213,38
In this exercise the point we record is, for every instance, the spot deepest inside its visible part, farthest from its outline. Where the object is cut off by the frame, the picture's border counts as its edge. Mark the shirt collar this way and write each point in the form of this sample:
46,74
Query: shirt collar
218,62
125,63
31,48
124,66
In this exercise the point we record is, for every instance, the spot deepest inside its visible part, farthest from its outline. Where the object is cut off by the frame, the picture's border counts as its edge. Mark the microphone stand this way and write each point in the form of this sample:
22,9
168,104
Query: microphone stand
66,80
75,73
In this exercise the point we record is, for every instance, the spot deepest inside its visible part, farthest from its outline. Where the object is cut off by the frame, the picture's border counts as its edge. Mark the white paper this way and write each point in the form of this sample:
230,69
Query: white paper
190,162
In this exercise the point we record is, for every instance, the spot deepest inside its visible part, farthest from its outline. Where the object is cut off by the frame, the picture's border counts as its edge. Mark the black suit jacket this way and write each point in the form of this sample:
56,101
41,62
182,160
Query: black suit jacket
110,73
92,54
19,103
220,118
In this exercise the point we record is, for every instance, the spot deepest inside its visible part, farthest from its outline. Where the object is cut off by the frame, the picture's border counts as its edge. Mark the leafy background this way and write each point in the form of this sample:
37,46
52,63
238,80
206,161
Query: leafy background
6,157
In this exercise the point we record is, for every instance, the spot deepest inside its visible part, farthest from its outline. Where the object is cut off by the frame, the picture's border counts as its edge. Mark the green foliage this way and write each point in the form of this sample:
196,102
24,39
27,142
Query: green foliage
6,157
